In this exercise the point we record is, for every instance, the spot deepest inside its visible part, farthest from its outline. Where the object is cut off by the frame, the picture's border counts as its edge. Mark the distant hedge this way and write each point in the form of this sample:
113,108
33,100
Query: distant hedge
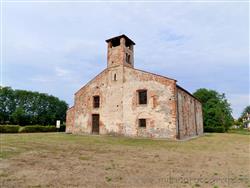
210,129
9,128
37,128
30,128
62,128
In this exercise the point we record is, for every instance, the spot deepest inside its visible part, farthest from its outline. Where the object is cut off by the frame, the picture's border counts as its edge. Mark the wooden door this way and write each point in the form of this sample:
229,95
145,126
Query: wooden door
95,123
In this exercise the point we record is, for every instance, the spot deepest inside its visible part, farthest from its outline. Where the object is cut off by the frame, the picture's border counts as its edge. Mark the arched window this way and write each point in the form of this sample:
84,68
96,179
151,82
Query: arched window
114,77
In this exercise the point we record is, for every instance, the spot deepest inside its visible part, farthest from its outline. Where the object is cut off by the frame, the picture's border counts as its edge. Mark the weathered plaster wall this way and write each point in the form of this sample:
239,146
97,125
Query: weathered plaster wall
119,109
190,121
159,112
110,110
70,120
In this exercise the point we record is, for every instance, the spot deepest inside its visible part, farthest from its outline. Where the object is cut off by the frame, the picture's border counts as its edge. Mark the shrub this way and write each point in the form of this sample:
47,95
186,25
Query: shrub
37,128
62,128
9,128
214,129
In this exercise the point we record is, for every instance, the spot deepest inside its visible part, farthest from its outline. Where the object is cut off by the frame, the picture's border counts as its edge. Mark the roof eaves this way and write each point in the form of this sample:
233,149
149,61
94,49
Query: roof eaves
120,36
187,92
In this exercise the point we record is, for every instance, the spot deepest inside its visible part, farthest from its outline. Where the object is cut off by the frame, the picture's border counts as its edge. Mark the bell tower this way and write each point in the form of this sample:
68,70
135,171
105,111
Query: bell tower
120,51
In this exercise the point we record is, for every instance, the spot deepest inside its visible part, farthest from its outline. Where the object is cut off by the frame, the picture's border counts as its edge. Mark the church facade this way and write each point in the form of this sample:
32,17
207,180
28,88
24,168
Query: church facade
122,100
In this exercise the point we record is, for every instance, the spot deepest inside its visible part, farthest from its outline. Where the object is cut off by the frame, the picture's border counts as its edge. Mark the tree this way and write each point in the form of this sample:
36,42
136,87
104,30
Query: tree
243,118
26,107
18,116
245,111
217,112
7,104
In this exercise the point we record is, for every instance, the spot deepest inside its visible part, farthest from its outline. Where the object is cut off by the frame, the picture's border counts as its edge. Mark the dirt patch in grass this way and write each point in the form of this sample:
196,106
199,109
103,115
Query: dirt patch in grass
63,160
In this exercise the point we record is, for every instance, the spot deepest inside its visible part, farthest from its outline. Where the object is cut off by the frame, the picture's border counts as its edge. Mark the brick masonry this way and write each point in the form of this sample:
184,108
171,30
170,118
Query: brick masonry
170,112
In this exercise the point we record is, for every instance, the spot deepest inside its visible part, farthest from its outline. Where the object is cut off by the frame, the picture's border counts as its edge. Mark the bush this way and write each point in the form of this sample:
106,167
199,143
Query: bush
62,128
9,128
37,128
214,129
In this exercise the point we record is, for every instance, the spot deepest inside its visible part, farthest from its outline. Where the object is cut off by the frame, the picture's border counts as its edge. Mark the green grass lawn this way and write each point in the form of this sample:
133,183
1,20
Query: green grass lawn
240,131
65,160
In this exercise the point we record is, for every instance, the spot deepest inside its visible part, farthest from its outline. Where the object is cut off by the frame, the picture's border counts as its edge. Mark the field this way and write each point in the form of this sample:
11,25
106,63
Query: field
64,160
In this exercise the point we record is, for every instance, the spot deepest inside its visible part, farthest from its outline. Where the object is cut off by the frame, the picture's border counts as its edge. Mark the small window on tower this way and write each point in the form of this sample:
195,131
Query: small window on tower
142,96
128,58
114,77
142,123
96,101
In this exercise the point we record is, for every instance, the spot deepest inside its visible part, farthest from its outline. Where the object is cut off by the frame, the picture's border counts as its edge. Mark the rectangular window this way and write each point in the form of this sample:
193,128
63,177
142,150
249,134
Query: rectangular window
128,58
96,101
142,94
142,122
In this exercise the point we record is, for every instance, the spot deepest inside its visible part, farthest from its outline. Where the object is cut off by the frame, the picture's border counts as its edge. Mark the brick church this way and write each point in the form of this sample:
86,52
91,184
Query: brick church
122,100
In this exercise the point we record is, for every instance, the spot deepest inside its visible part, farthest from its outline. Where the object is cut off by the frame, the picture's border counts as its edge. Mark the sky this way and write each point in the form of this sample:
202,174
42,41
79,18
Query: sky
58,47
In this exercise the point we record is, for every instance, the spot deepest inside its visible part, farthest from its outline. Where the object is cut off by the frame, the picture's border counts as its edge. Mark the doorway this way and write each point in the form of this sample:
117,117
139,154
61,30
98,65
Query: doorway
95,123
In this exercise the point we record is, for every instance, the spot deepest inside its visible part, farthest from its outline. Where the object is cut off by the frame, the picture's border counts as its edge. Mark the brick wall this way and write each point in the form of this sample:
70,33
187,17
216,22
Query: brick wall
190,122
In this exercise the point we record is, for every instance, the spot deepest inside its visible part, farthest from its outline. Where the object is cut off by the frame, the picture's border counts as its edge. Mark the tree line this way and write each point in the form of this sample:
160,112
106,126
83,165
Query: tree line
23,107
